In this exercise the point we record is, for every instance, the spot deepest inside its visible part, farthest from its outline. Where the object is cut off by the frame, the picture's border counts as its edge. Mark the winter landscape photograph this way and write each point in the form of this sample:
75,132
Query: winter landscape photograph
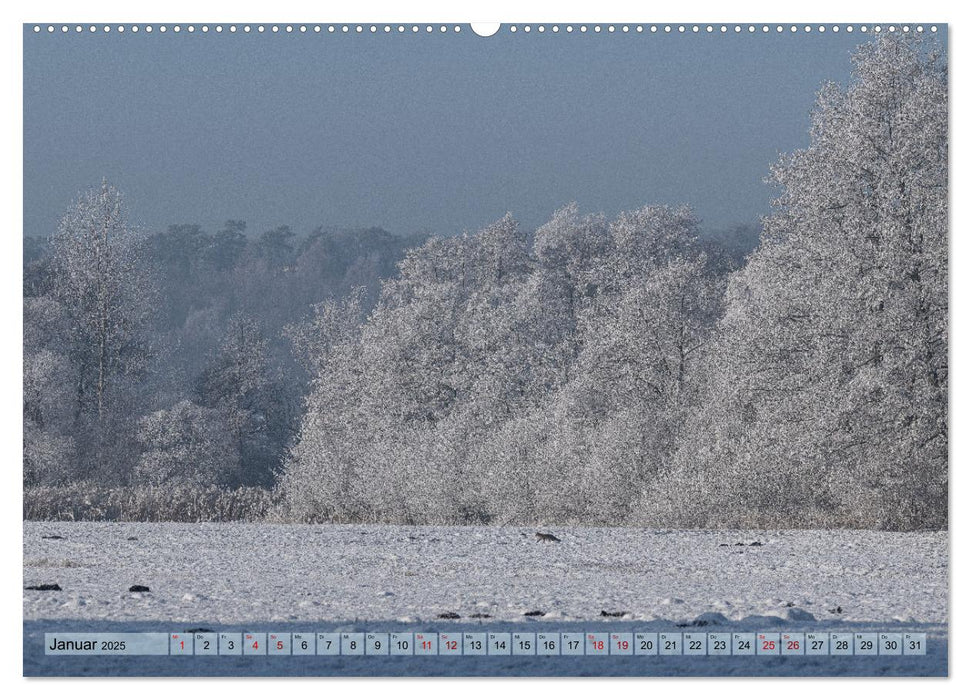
336,332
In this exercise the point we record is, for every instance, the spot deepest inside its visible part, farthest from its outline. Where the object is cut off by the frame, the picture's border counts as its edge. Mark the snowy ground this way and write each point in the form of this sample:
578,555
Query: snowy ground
379,578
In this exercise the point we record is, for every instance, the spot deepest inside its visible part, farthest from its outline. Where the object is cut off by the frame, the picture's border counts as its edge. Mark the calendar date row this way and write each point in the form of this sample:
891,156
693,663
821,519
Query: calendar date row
489,644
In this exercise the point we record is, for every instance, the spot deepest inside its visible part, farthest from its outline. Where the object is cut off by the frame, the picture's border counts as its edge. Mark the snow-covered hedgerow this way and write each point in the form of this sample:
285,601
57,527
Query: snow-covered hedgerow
146,503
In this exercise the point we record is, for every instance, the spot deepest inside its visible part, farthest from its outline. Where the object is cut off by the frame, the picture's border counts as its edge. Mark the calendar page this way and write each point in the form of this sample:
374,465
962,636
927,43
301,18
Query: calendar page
516,349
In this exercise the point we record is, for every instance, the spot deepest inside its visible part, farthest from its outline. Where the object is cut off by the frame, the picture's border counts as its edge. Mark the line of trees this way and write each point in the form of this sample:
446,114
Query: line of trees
160,359
617,372
605,371
513,378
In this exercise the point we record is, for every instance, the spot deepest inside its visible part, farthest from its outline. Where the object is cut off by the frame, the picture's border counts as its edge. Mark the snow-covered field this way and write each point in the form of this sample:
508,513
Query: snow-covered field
259,577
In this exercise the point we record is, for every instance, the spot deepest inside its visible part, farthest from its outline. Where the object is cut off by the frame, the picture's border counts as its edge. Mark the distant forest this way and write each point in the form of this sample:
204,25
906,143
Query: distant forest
634,370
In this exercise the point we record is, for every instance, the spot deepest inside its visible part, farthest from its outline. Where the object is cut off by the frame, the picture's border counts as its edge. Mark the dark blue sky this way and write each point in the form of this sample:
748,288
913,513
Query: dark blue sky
414,132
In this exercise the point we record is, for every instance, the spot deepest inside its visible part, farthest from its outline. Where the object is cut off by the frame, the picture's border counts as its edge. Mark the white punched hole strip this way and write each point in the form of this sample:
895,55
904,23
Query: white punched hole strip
480,29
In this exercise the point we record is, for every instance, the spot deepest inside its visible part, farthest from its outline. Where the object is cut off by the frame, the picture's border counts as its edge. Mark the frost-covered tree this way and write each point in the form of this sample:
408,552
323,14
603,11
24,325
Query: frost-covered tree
98,278
49,451
640,367
48,444
829,395
616,422
645,240
241,383
334,323
322,476
187,445
498,377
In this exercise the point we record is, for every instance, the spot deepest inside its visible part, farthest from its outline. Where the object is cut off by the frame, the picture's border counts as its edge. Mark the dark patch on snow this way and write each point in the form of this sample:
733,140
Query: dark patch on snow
44,587
137,588
837,610
200,630
534,613
53,537
449,616
620,613
723,544
755,544
739,544
800,615
480,616
709,618
132,539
